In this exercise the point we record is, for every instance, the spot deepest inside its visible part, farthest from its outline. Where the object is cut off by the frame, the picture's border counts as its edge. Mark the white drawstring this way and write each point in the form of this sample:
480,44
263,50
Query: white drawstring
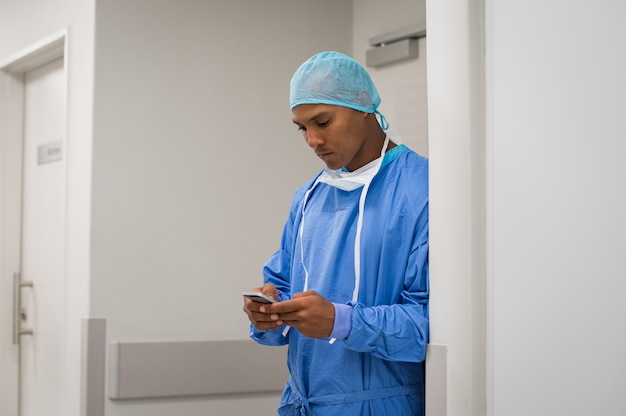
301,233
359,226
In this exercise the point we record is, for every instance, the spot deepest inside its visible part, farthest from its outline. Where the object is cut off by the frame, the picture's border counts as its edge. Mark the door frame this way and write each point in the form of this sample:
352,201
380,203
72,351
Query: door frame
12,74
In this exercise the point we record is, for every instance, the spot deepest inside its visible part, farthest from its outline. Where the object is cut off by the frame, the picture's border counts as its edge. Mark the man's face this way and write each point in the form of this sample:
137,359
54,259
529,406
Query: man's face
336,134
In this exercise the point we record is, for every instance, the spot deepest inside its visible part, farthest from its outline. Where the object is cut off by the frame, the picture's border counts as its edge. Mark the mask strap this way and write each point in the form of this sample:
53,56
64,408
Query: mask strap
383,121
301,231
359,226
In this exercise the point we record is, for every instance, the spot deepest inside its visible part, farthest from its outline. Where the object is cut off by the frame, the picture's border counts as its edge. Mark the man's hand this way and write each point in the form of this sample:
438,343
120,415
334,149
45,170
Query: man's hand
260,318
310,313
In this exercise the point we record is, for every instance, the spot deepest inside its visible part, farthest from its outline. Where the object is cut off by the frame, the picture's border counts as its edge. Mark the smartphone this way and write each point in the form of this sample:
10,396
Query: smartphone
258,297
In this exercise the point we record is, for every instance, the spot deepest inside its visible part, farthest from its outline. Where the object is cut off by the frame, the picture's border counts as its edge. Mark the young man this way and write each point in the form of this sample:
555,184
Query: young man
351,273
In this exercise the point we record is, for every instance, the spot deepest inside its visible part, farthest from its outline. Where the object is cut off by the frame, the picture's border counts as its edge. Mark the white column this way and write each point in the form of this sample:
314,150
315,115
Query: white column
456,114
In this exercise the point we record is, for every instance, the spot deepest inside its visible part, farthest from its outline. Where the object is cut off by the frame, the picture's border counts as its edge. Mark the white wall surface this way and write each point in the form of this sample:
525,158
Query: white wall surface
457,200
195,163
402,85
22,24
556,141
195,156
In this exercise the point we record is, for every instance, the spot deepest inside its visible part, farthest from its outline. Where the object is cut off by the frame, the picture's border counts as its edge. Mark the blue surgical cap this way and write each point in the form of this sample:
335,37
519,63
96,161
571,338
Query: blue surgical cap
334,78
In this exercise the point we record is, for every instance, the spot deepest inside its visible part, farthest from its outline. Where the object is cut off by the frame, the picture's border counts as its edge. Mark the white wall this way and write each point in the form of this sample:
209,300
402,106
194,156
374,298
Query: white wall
536,163
194,165
457,200
556,140
402,85
23,24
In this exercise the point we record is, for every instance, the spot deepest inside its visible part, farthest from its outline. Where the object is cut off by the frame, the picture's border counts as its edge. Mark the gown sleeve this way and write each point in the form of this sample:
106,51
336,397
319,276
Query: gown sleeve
397,332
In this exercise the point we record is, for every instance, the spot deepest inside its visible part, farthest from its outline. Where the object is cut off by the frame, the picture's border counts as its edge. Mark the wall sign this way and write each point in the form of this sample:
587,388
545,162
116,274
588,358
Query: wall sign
50,152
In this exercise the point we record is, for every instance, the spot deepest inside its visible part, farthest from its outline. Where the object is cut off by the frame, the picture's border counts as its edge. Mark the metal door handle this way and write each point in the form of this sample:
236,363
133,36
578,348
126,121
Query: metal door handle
18,284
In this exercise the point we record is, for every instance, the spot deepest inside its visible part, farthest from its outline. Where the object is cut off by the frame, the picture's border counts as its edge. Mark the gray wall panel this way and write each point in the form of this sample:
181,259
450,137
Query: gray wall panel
192,368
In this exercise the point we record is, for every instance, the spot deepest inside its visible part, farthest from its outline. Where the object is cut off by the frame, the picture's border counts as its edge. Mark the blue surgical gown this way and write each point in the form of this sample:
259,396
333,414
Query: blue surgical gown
378,368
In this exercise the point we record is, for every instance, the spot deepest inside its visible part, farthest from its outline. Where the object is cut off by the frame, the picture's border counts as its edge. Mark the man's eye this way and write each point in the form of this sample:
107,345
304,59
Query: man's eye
301,128
323,123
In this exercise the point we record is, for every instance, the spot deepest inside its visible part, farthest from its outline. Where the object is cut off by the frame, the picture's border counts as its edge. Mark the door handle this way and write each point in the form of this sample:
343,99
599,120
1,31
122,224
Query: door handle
18,284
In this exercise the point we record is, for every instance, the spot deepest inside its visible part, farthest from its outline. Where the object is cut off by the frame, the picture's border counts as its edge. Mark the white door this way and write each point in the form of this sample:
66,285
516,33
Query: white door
40,379
43,241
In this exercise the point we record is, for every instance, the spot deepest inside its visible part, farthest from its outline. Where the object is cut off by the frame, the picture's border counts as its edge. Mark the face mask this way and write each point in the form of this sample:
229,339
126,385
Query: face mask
349,181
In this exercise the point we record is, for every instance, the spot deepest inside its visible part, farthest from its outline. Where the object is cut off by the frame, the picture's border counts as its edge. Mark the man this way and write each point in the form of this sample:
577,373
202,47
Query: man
351,273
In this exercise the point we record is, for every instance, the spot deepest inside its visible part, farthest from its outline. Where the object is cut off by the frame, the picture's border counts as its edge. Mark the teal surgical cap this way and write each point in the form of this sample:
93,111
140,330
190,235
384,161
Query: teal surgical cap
334,78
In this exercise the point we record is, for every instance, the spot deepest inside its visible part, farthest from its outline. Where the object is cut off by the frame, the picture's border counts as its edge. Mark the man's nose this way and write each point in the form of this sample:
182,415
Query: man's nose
313,139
